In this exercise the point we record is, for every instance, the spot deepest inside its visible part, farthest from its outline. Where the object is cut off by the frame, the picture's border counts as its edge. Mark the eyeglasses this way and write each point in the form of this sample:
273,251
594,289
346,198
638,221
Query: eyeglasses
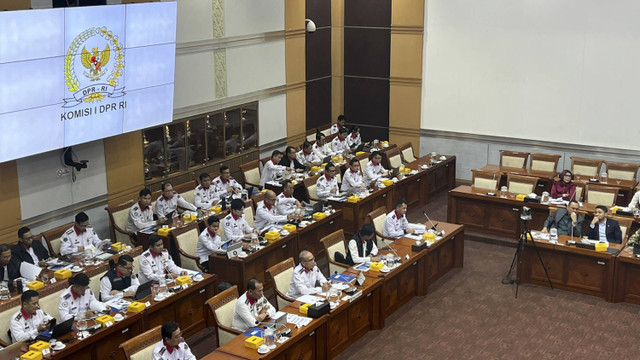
311,260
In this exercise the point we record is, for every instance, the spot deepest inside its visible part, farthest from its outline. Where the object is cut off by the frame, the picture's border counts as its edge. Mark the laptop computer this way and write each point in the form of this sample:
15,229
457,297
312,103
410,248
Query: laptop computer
12,351
57,332
143,291
233,250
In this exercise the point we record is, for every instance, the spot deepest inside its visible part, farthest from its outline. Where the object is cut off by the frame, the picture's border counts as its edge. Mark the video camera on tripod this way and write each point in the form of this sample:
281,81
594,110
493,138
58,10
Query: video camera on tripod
526,213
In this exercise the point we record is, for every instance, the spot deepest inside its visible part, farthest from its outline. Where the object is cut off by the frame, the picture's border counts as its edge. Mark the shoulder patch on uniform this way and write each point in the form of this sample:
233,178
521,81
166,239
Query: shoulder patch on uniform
162,350
19,316
67,296
69,231
147,253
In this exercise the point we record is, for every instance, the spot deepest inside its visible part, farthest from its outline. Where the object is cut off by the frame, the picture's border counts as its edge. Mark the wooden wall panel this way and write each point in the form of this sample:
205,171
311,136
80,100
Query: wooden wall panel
319,11
366,52
10,220
406,55
294,14
296,112
337,58
404,113
294,48
318,102
366,101
370,13
318,64
318,54
295,67
407,12
124,162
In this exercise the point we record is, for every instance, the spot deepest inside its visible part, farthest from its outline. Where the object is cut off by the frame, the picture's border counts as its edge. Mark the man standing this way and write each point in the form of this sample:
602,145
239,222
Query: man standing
567,221
266,212
172,346
307,278
29,321
204,196
169,201
352,179
79,237
396,223
252,307
156,263
225,184
603,229
362,248
286,203
78,298
28,250
235,226
327,184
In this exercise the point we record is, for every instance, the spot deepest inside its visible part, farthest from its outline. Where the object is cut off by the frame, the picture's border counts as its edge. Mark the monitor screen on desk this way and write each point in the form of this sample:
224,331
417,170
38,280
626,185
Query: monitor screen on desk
74,75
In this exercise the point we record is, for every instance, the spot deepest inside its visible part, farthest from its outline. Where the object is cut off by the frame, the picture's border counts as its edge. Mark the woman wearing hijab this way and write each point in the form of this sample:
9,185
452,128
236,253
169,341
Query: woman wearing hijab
564,188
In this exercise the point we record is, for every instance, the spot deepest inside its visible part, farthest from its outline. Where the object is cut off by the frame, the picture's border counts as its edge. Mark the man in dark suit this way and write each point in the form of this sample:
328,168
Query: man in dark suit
604,229
289,160
8,270
28,250
566,219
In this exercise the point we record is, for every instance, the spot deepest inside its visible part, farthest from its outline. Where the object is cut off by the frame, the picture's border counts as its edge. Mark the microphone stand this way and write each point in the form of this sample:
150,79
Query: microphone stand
433,226
389,246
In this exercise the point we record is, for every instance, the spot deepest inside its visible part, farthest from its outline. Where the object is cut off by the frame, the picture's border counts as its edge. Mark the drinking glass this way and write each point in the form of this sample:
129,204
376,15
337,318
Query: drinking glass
45,277
4,291
162,287
81,324
603,177
553,234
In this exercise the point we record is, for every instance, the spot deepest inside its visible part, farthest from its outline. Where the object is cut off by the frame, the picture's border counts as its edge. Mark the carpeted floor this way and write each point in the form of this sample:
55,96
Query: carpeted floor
469,314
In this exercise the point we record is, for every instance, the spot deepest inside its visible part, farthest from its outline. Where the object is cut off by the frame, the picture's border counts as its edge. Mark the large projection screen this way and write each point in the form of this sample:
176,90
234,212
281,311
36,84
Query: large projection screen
73,75
552,70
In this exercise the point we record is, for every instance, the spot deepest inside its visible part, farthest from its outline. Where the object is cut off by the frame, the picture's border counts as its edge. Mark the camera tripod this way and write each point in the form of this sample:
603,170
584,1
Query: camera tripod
520,254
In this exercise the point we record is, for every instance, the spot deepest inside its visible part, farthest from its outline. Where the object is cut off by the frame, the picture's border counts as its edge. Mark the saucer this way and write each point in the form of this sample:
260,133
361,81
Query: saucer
59,346
198,278
385,270
76,269
159,298
118,318
262,352
242,255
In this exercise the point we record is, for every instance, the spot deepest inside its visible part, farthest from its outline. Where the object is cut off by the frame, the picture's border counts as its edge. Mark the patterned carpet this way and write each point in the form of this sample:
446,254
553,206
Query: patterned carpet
469,314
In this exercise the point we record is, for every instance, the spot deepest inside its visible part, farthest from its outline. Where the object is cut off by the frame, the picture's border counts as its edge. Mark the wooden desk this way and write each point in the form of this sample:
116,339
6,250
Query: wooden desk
627,278
625,188
440,176
444,255
570,268
354,214
545,178
309,237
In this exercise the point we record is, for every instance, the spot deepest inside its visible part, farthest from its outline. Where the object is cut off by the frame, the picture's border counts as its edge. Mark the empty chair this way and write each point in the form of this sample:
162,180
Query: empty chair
601,195
407,152
333,243
521,184
544,162
118,218
515,159
395,159
141,346
222,307
625,225
94,278
187,190
310,186
249,212
378,217
485,179
579,191
251,174
186,240
585,167
53,238
280,276
364,160
622,171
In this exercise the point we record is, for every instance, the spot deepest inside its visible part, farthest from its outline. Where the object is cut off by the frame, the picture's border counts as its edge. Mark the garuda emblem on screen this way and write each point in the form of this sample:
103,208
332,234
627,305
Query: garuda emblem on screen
97,74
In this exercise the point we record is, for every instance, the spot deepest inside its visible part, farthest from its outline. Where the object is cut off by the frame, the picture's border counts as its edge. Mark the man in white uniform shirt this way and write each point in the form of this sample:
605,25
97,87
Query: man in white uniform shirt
306,156
172,346
340,124
267,213
272,170
169,201
375,170
321,148
30,320
340,145
252,307
286,203
141,214
354,138
78,299
209,241
235,225
352,179
156,263
327,184
396,223
225,184
307,278
79,237
204,196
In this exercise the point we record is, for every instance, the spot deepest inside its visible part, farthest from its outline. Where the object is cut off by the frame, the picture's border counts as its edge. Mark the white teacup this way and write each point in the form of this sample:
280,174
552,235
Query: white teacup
263,348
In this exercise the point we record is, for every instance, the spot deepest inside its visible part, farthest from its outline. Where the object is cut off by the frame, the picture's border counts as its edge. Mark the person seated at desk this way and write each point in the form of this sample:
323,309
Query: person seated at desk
30,251
172,346
306,156
375,170
204,196
285,202
119,281
289,160
78,298
209,241
321,148
327,184
396,223
339,144
225,184
252,307
307,278
156,263
141,214
340,124
9,267
30,320
354,138
603,229
235,226
168,202
267,213
272,170
352,179
564,188
362,247
635,201
566,219
79,237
